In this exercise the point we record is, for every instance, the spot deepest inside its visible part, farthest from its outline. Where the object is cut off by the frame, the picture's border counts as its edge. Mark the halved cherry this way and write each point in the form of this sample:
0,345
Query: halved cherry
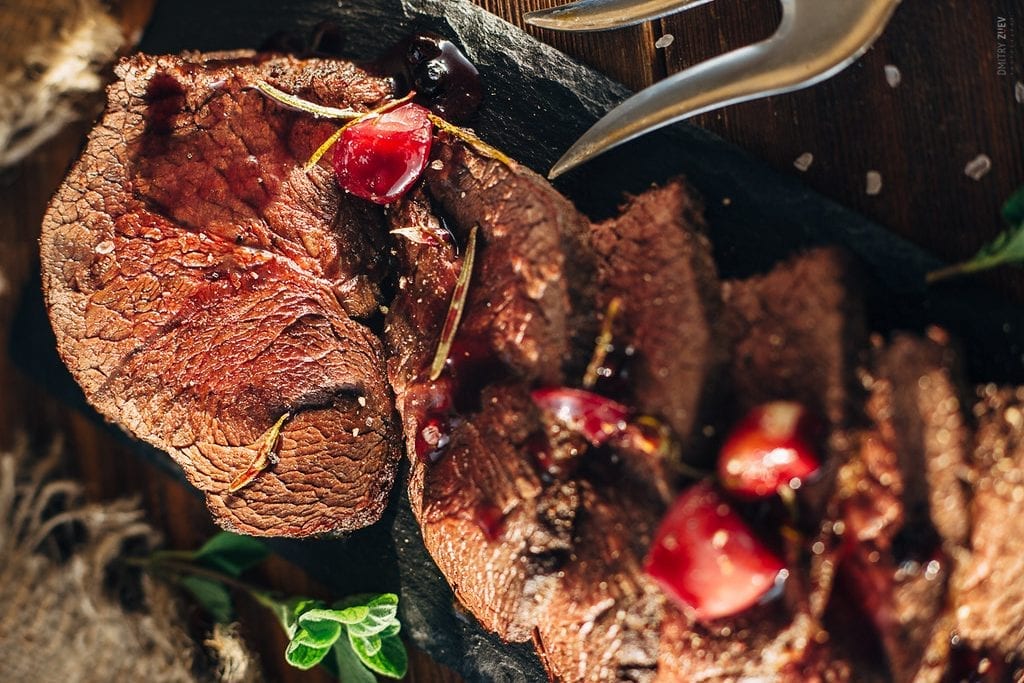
772,447
705,557
380,157
594,417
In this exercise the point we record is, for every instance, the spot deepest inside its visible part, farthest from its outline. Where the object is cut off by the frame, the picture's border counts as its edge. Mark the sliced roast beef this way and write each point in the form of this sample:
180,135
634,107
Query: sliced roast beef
601,621
797,334
498,532
902,501
532,303
988,588
916,403
656,260
202,286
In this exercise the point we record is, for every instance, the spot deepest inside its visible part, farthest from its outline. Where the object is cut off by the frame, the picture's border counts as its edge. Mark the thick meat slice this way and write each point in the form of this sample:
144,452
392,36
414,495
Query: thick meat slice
483,516
497,531
797,333
903,504
988,587
601,622
532,301
201,286
915,401
657,261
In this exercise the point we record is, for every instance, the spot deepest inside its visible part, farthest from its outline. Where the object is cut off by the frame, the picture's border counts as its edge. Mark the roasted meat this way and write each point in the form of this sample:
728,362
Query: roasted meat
261,325
202,286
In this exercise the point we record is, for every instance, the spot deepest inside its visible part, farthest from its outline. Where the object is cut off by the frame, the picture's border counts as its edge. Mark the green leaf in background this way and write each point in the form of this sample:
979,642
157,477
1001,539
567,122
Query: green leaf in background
345,665
305,656
390,660
1013,209
231,553
211,595
1007,248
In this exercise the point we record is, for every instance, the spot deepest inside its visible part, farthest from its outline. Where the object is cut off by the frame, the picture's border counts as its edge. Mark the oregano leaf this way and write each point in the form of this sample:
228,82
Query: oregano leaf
392,629
390,660
211,596
318,633
303,656
1006,248
365,646
382,611
1013,209
346,665
231,553
349,615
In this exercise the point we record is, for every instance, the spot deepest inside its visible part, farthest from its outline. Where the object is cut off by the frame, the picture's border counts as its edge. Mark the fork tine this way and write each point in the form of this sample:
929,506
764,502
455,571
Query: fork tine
602,15
816,39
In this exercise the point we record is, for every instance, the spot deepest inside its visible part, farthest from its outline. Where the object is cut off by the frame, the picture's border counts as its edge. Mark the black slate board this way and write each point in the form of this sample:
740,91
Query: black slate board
538,100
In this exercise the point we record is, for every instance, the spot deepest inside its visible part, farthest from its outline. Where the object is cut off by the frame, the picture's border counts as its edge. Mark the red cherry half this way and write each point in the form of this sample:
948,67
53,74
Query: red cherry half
772,447
381,156
594,417
705,557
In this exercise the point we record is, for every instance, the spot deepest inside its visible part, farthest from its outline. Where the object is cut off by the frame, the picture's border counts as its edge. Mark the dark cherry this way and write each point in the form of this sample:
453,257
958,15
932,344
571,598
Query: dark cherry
433,66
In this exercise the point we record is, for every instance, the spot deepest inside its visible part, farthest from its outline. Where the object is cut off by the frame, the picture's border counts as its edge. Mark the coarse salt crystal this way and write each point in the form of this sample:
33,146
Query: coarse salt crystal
874,183
804,161
104,247
892,75
664,41
978,167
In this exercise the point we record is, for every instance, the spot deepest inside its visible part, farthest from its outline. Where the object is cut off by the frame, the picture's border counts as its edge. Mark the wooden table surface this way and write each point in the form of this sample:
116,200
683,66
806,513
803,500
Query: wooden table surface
956,100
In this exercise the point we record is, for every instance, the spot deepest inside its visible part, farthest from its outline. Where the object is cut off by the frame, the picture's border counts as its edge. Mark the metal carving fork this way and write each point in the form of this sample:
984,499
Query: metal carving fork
816,40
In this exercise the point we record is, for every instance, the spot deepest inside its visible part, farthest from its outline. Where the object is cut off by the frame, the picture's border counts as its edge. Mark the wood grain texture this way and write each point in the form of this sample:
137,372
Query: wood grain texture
952,105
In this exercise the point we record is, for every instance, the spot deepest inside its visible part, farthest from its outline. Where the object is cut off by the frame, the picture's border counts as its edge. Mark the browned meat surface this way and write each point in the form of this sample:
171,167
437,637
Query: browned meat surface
988,587
657,260
798,331
534,282
201,286
916,401
496,530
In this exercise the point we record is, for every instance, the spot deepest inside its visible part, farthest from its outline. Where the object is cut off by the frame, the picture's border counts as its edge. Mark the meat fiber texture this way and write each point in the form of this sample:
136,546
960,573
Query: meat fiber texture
202,285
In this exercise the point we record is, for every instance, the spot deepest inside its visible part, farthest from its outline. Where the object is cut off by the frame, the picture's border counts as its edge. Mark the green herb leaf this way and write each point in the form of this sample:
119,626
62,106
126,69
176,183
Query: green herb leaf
382,611
365,647
346,666
1013,209
391,630
318,633
231,553
1007,248
303,656
349,615
390,660
288,612
211,595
